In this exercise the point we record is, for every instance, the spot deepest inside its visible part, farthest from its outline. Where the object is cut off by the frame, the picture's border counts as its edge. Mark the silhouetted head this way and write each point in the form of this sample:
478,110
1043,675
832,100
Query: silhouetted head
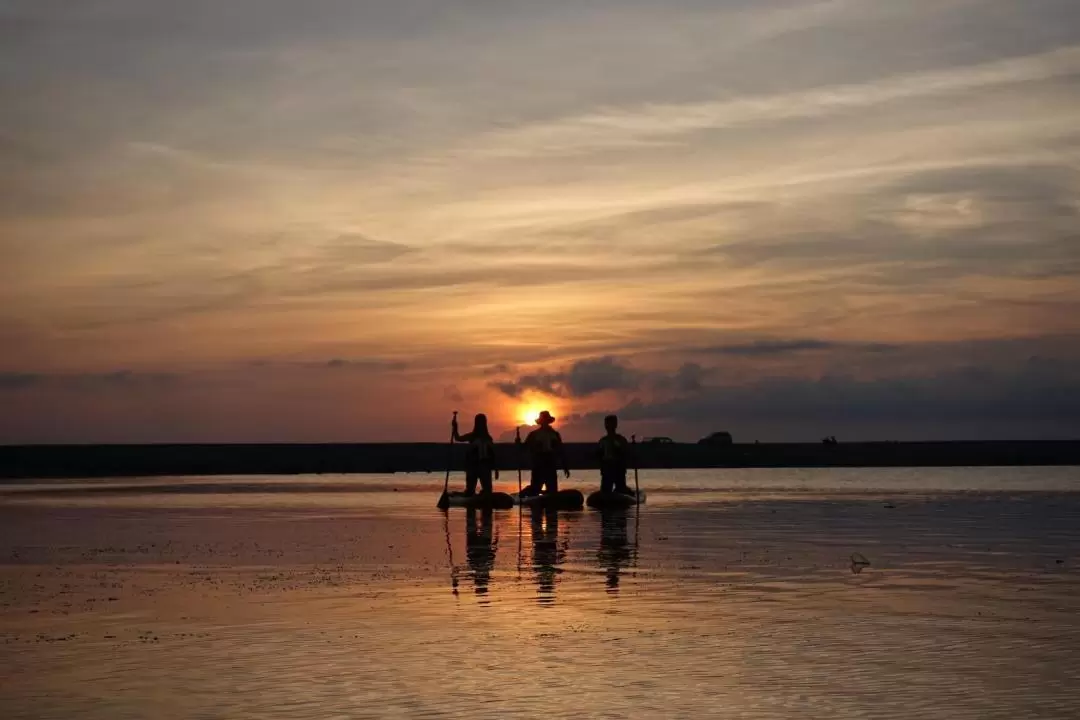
480,424
545,418
611,423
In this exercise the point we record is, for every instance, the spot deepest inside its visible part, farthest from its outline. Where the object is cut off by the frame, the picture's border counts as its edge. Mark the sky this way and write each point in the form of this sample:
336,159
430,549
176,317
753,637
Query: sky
340,220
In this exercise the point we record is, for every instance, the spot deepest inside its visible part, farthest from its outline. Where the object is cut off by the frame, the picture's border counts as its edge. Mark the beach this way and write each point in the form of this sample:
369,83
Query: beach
755,593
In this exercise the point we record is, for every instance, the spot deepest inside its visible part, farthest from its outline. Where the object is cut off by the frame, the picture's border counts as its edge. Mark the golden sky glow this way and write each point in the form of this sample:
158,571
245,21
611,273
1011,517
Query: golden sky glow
342,221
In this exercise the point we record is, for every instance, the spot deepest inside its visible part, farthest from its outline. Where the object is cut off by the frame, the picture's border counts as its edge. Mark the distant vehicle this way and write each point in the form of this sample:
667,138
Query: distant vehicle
661,453
716,438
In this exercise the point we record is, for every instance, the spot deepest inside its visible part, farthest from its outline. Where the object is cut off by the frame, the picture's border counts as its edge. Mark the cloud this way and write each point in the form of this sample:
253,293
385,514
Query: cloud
20,379
508,388
498,369
361,364
128,379
1039,398
582,379
453,394
110,379
911,234
690,377
356,249
649,124
547,383
759,348
233,273
588,377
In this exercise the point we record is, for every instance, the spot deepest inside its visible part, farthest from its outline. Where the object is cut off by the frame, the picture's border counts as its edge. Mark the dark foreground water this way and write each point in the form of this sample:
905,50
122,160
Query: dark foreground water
730,594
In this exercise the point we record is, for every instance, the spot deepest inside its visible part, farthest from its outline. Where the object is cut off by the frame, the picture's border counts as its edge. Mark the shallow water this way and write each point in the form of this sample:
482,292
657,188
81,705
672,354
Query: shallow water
730,594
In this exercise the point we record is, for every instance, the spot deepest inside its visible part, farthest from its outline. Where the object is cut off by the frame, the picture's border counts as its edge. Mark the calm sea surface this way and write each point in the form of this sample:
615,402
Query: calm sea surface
731,593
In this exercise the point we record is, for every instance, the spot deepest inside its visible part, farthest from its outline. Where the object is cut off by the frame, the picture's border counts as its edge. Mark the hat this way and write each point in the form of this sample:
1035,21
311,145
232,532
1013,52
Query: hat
545,418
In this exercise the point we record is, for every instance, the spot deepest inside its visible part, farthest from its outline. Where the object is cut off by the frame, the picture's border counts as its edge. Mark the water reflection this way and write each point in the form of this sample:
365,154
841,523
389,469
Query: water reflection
617,550
480,548
547,552
544,549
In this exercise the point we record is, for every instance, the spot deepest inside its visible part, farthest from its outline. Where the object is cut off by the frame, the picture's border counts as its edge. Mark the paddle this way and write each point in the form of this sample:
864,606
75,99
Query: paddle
637,490
517,441
444,500
450,555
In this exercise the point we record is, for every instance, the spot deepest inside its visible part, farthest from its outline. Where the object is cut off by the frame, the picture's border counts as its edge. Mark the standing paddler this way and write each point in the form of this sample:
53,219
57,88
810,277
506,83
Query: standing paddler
546,453
479,457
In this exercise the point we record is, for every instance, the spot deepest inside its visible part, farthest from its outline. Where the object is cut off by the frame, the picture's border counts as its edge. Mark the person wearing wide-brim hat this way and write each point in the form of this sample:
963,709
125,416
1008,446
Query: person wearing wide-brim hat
546,453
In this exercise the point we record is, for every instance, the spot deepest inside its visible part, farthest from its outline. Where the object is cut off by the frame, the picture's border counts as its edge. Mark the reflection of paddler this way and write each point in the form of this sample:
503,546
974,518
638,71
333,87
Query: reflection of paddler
546,551
616,550
480,547
546,453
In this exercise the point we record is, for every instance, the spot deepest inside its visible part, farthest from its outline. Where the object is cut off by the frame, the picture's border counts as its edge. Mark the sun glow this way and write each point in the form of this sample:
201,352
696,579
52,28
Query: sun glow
528,413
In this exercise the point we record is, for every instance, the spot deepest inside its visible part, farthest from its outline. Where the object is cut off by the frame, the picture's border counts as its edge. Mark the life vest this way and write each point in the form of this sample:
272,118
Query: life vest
543,441
481,450
610,448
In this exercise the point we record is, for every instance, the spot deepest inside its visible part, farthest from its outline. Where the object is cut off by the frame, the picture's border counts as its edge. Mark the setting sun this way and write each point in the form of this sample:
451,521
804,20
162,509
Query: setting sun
528,413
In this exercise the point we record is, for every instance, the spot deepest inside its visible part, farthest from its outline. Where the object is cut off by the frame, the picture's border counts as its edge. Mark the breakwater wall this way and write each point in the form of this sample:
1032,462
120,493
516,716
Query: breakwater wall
59,461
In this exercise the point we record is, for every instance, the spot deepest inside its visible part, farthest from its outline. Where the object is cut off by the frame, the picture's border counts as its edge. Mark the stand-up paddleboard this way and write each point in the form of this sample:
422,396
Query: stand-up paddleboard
603,500
563,500
495,501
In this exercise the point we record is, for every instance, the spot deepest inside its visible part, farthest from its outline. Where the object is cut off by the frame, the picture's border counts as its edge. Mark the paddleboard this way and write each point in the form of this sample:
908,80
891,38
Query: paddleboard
603,500
564,500
496,501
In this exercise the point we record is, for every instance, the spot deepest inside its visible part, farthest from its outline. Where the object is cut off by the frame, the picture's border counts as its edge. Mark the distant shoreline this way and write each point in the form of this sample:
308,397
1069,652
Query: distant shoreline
71,461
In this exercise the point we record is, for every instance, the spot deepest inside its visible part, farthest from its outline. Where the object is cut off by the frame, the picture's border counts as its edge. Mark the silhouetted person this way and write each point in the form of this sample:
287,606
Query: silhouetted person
480,548
614,457
546,553
479,457
546,453
615,551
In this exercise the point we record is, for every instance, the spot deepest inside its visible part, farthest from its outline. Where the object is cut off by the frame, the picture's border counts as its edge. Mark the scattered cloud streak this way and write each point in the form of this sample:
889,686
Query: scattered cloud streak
784,347
651,124
341,363
116,379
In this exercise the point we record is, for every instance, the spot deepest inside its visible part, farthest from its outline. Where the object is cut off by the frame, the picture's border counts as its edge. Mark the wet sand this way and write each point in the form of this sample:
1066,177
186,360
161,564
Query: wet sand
728,595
